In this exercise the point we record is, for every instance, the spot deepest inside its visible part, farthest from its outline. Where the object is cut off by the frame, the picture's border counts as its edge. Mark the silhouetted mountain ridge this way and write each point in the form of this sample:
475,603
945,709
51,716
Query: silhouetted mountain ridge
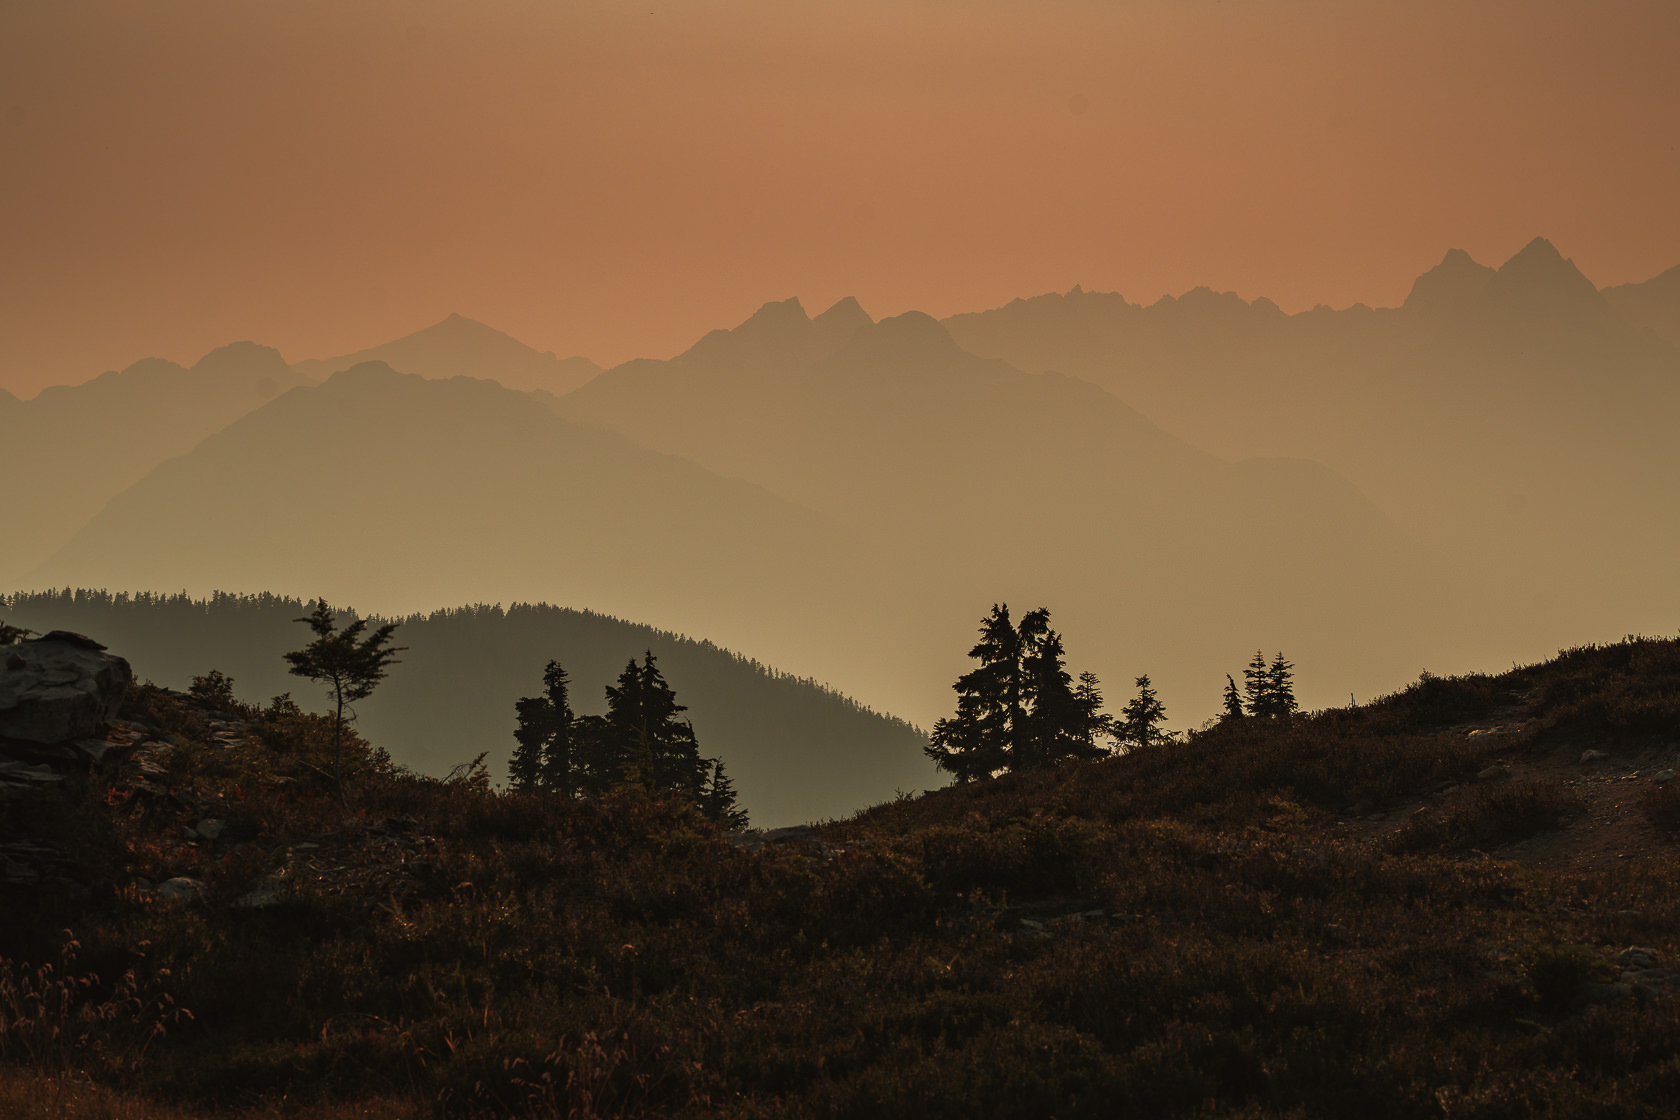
463,347
797,750
127,421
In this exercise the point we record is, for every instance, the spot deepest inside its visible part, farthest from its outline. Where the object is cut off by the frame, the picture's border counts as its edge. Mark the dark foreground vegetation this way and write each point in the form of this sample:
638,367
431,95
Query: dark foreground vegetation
1204,928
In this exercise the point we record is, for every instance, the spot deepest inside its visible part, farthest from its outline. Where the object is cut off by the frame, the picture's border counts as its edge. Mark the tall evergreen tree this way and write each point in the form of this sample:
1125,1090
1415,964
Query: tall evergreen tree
1280,688
547,756
1053,720
717,799
1233,701
1019,709
1093,721
655,751
1141,718
977,741
1256,680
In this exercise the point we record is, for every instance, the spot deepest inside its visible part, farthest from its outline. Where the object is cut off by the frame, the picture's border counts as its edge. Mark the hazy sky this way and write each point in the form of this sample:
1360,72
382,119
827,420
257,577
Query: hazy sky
614,179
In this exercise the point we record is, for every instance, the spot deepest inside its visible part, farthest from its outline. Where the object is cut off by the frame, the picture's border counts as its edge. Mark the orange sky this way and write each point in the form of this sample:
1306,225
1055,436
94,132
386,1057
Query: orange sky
614,179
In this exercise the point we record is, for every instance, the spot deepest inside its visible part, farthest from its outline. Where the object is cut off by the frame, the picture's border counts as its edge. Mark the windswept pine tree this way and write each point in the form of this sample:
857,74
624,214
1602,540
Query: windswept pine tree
1233,700
1019,710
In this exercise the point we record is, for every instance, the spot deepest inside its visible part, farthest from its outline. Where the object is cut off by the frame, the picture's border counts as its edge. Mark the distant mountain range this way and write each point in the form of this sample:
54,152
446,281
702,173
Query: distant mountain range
1516,418
1480,473
81,445
797,752
461,347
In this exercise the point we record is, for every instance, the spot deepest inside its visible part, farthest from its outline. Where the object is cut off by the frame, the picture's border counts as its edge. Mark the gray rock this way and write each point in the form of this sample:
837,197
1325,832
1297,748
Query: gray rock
1593,756
1663,776
17,772
59,687
211,829
1493,773
1637,957
179,889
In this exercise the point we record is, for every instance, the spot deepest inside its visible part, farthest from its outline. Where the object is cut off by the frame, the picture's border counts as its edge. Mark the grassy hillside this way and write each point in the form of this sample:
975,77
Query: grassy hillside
1435,904
797,751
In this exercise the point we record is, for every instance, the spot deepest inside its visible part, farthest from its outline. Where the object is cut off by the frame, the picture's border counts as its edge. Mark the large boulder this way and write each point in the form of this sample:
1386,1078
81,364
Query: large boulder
58,687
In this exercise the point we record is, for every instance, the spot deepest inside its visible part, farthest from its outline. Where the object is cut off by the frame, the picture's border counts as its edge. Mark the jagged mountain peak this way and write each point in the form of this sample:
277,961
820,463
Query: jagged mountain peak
1540,270
776,313
846,312
1457,279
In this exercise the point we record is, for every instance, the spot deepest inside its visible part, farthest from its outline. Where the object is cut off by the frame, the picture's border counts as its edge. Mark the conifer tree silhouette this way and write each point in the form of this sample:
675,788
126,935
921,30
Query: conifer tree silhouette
1233,701
350,668
717,799
1141,718
1019,709
1280,688
547,756
656,752
1093,721
1255,684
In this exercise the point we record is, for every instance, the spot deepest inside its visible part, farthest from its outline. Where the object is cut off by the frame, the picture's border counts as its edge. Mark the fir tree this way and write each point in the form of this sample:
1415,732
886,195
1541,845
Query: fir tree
1280,688
654,750
1053,719
547,756
1233,700
1093,721
717,799
1141,718
978,740
1256,680
1019,710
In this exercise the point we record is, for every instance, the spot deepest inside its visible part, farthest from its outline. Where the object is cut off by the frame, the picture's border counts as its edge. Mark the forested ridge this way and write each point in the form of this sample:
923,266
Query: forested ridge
795,749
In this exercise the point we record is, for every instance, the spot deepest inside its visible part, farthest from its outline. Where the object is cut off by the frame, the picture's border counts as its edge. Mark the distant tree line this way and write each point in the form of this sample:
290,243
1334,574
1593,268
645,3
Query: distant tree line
639,744
1021,710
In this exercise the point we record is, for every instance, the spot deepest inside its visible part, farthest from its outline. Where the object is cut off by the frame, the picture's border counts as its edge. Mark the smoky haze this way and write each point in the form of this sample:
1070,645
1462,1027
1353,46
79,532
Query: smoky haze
1336,330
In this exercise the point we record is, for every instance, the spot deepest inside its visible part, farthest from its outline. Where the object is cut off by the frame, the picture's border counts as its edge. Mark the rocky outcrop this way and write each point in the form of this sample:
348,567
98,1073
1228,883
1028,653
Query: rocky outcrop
59,687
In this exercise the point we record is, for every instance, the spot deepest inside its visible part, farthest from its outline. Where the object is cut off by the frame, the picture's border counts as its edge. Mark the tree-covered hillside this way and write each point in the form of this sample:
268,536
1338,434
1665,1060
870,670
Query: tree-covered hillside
796,750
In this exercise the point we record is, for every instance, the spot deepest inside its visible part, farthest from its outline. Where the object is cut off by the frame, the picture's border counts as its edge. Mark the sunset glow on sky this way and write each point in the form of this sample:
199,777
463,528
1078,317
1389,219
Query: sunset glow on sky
614,180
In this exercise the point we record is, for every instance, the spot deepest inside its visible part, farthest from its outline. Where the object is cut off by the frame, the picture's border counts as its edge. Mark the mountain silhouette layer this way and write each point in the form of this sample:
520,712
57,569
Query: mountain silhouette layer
1039,489
462,347
83,444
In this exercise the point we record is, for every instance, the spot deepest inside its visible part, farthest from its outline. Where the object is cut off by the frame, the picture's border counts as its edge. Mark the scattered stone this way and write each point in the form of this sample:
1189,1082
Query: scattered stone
60,687
179,889
1593,756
